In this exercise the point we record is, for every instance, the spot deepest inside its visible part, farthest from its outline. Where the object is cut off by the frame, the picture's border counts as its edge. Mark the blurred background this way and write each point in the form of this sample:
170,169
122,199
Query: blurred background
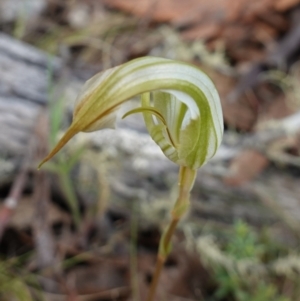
86,227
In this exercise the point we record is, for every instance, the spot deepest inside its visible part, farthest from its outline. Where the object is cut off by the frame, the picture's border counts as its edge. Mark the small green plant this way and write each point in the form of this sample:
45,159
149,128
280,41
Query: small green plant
181,110
244,244
61,166
265,292
13,286
15,282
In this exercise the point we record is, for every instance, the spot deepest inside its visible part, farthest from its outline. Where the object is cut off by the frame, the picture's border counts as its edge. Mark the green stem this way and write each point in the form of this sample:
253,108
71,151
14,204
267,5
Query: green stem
70,197
186,182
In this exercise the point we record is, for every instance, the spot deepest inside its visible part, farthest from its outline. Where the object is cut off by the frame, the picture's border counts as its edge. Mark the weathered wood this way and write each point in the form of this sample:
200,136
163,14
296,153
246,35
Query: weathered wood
24,70
24,85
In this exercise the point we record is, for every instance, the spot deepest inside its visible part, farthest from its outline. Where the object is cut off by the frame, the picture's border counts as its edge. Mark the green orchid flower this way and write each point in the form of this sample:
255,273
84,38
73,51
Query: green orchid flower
181,110
180,105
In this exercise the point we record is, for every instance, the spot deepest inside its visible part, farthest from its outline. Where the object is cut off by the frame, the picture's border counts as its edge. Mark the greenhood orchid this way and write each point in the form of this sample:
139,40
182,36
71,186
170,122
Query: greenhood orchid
181,110
180,105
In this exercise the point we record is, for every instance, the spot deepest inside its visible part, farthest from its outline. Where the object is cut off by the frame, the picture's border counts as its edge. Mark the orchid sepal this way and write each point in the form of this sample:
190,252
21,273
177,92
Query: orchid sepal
180,105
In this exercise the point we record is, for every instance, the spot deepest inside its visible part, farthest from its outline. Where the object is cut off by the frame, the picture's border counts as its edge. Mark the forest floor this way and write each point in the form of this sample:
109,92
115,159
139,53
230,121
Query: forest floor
87,226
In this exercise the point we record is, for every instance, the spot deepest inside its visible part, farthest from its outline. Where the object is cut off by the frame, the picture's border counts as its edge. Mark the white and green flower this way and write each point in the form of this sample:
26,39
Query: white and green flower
180,105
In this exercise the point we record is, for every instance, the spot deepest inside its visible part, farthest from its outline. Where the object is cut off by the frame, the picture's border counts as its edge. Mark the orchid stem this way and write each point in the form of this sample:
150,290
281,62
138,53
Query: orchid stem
186,182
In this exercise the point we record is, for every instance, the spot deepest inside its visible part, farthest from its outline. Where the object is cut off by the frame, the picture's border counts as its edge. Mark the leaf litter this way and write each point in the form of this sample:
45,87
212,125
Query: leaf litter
237,43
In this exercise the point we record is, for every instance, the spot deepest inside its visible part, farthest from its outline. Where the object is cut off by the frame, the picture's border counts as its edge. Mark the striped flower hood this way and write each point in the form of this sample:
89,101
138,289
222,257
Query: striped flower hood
179,103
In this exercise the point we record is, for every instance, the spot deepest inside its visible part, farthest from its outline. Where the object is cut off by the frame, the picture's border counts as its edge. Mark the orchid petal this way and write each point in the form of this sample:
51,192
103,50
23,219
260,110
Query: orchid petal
192,125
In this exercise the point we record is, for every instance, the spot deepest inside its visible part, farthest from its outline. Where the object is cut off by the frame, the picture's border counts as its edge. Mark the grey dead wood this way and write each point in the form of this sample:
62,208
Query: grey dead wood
24,84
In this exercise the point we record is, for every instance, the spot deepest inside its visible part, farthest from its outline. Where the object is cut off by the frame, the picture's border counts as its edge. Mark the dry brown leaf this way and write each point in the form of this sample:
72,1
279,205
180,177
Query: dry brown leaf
196,11
202,31
276,109
98,277
238,115
250,163
247,28
283,5
245,167
25,214
159,11
263,32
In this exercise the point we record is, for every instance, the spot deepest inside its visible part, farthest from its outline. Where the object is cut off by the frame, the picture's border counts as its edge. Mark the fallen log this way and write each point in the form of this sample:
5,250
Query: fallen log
24,85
